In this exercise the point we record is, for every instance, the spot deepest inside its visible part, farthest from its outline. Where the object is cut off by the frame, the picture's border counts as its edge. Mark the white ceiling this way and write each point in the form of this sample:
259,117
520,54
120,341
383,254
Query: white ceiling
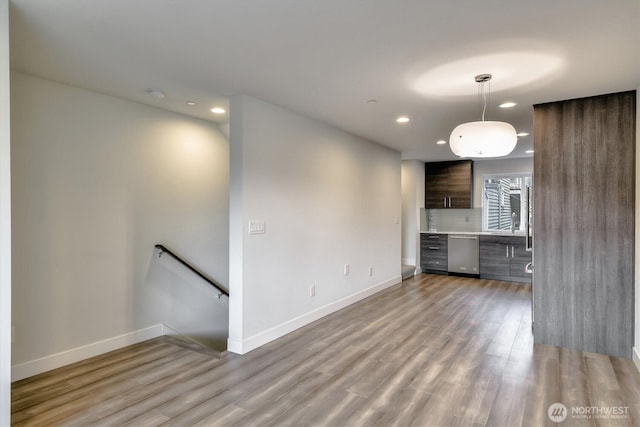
326,58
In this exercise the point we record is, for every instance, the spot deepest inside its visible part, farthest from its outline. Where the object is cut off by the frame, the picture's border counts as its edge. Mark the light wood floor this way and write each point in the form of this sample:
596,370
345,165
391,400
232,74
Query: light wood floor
432,351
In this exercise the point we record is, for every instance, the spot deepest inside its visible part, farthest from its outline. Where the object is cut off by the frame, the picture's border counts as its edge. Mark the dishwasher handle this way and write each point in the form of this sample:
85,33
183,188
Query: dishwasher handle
464,237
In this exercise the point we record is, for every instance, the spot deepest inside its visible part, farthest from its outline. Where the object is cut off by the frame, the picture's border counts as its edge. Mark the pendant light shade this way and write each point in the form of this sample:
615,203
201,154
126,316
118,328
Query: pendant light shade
484,138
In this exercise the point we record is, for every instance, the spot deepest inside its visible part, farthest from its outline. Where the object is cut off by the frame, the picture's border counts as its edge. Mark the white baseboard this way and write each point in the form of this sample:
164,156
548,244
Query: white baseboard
408,261
168,330
234,346
262,338
47,363
636,357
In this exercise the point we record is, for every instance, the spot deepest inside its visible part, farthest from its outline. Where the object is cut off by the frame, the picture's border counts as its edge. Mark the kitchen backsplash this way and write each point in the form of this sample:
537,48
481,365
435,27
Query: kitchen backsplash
451,219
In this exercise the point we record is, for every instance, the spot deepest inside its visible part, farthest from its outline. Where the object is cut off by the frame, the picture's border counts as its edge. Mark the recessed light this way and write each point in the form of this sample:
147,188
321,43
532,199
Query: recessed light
191,103
371,101
441,142
523,134
403,119
156,93
218,110
529,152
507,105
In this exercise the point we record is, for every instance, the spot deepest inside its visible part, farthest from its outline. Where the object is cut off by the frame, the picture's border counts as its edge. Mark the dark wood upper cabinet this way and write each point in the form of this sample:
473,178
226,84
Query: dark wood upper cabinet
449,185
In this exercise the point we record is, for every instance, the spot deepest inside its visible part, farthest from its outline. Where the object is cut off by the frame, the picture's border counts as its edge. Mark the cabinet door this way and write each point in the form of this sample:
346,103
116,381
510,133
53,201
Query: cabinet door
434,261
521,257
459,184
436,186
494,262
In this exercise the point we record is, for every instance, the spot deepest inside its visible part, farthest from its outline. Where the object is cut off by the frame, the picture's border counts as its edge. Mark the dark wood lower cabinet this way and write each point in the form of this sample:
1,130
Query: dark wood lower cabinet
501,257
504,258
433,253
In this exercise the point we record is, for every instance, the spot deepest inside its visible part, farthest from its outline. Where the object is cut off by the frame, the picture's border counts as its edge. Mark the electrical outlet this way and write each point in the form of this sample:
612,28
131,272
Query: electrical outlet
370,271
312,290
346,269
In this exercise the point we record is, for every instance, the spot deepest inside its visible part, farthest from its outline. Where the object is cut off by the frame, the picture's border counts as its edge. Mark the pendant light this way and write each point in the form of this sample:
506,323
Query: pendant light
484,138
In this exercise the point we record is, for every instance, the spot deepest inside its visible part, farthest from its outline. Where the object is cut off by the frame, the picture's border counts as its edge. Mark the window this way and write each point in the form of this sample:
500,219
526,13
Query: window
504,201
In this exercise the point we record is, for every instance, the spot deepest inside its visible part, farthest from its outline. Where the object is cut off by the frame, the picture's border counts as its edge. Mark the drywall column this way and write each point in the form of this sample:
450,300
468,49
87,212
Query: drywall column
412,200
236,221
5,220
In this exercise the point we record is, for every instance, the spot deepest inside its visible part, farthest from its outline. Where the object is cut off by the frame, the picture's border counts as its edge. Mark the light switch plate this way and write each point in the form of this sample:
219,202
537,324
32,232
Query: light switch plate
257,227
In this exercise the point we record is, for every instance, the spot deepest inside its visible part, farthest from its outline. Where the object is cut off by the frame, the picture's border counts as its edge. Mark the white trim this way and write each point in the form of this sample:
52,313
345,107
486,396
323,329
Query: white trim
234,346
168,330
636,357
262,338
47,363
5,217
408,261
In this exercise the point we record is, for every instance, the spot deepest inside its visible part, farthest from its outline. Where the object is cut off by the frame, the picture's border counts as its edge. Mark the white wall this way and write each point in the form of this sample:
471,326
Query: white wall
97,181
328,199
496,166
5,220
412,200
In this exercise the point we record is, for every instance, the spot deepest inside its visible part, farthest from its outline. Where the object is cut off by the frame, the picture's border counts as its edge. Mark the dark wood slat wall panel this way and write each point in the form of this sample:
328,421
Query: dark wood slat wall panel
584,223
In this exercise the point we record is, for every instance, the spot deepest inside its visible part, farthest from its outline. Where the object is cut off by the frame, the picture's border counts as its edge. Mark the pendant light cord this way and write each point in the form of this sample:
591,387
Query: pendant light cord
482,79
484,97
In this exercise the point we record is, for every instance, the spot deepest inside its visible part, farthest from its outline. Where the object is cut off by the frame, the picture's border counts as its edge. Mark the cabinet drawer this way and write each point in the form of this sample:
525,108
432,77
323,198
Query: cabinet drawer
433,237
503,240
434,265
433,241
433,252
439,255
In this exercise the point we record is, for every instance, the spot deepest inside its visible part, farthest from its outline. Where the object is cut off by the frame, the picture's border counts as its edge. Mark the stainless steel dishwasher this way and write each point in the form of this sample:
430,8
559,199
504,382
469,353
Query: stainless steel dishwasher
463,254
